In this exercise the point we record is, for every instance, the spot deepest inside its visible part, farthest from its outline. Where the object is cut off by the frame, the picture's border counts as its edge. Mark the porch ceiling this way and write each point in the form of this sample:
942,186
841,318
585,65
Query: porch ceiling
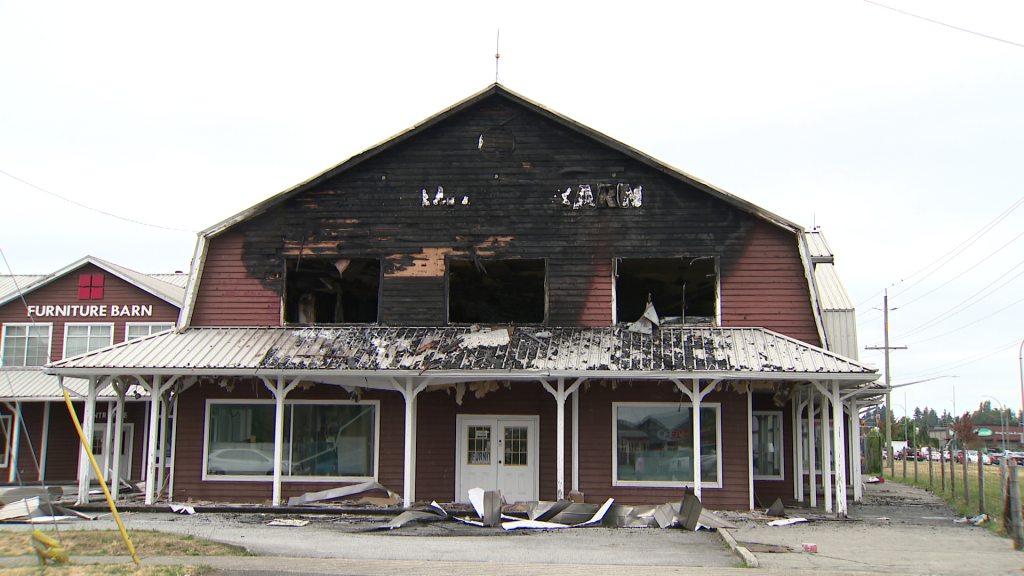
453,354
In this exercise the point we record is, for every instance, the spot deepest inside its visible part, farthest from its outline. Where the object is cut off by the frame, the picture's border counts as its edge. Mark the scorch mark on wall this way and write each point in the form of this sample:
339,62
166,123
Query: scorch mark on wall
430,263
620,195
439,198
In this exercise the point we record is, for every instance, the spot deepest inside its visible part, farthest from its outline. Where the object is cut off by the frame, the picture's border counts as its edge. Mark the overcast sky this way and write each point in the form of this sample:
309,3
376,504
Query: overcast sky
901,138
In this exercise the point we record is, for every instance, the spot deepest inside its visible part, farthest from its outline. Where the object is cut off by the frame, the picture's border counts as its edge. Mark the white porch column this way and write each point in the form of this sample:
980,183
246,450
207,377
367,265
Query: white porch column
12,461
118,416
88,424
156,390
696,395
855,449
826,451
44,444
812,479
840,447
560,395
576,441
410,390
280,391
108,441
750,445
798,446
162,450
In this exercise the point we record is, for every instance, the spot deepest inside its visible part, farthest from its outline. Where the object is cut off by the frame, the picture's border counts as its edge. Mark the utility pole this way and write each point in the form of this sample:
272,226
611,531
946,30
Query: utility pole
888,383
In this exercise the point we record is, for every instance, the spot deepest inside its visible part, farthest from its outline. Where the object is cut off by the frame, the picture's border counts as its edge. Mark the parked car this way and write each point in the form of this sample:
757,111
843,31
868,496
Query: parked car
243,461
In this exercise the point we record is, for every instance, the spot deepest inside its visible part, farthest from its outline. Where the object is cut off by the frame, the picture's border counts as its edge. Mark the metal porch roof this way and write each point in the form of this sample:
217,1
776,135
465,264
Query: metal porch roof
32,384
459,352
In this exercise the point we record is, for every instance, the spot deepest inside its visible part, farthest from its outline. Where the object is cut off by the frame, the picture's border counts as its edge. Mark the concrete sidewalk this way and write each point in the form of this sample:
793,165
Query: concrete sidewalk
899,529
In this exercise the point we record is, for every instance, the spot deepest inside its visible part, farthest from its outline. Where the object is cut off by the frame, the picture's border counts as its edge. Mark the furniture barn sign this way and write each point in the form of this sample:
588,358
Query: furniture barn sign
91,310
619,195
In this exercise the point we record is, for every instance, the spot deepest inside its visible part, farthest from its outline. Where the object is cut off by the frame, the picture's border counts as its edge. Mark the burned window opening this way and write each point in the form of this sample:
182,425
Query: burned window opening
496,291
332,291
683,290
497,143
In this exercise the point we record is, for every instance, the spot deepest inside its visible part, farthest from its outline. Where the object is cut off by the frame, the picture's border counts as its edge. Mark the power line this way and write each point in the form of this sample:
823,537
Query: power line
947,25
80,205
965,244
1012,304
963,362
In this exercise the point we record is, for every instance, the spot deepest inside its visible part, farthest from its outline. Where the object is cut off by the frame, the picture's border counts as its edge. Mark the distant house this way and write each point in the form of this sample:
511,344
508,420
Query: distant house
87,305
501,297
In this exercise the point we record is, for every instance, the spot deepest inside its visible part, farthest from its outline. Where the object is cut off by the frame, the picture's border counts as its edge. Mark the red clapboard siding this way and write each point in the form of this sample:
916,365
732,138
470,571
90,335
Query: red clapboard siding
766,286
228,295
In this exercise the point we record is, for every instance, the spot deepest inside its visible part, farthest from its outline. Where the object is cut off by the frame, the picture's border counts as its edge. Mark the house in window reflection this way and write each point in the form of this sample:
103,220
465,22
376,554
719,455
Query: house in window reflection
502,297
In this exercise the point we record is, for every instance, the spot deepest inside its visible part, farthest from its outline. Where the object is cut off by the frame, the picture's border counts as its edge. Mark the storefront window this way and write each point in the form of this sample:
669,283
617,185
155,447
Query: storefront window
134,331
654,444
766,436
82,338
818,447
26,345
323,439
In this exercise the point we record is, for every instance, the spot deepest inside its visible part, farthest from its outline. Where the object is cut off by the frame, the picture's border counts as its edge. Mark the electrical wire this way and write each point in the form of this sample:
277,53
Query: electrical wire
947,25
965,244
953,311
80,205
962,362
1012,304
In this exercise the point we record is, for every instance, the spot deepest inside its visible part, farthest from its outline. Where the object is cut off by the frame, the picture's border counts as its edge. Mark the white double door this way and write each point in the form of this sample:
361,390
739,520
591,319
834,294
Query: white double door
497,453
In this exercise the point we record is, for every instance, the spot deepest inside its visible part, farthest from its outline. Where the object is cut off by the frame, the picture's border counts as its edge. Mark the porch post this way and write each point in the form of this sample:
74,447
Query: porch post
108,442
840,447
174,445
118,414
88,424
826,450
750,445
696,395
812,480
162,470
153,432
280,391
156,390
12,461
560,395
44,442
855,449
576,441
798,446
410,390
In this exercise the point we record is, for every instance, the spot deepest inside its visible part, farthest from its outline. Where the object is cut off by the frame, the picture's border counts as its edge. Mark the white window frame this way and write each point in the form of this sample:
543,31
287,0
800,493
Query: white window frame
284,477
780,448
5,429
64,350
129,325
49,340
717,406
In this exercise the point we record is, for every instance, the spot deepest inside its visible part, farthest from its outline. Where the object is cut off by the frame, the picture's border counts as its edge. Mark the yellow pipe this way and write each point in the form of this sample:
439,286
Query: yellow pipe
99,474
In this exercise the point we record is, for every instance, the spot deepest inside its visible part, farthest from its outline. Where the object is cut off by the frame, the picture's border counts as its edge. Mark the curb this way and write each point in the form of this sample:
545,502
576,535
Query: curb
747,555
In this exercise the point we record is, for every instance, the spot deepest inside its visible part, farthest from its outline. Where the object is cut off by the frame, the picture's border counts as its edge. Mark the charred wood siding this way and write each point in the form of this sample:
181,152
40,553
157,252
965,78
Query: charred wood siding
64,291
596,445
507,208
188,482
766,287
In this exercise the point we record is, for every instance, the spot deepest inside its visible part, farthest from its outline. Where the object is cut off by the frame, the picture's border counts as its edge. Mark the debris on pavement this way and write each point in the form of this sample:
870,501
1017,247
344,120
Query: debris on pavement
812,548
293,522
182,509
336,493
777,509
787,521
38,509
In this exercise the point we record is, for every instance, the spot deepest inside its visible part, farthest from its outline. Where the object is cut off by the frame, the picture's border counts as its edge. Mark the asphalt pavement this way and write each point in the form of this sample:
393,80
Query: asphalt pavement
897,530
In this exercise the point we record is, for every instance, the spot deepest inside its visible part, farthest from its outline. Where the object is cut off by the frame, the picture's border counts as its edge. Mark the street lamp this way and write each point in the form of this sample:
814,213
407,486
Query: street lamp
1002,425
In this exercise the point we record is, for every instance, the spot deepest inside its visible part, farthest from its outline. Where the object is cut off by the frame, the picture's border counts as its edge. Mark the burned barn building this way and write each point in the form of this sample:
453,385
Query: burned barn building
501,297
